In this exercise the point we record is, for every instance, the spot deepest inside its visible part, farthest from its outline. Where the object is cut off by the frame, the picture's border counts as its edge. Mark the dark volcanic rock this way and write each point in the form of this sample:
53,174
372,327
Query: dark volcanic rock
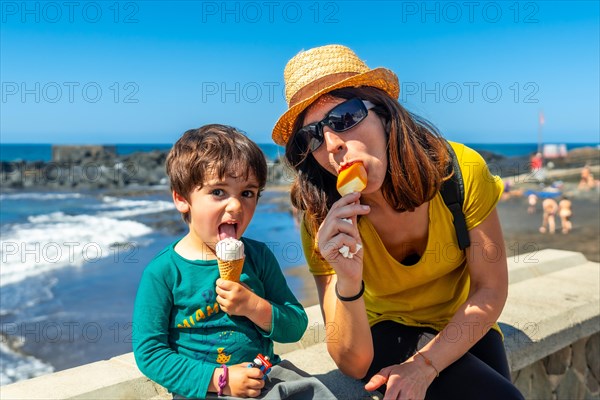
84,170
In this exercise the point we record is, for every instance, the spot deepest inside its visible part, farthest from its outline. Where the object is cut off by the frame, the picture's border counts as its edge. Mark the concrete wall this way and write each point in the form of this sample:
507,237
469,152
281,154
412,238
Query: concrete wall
551,324
570,373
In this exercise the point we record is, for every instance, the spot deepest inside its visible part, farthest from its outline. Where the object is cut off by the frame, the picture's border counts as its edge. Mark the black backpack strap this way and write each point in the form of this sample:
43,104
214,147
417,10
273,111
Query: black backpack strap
453,193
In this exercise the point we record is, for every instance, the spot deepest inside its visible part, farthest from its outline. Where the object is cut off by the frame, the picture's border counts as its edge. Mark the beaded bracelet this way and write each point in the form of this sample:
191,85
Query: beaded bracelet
428,362
223,380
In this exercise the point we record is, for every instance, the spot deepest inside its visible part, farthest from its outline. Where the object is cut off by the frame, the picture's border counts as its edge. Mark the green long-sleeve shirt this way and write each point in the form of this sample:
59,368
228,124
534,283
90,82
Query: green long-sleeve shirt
180,335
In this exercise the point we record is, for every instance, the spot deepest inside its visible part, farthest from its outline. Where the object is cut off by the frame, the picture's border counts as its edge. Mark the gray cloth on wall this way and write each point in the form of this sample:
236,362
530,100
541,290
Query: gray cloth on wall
286,381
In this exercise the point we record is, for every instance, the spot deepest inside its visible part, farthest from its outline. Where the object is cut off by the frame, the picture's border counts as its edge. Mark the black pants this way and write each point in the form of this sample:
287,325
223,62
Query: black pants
482,373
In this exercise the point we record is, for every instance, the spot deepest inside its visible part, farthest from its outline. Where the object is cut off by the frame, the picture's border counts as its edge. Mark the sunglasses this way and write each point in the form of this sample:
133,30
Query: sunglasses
340,118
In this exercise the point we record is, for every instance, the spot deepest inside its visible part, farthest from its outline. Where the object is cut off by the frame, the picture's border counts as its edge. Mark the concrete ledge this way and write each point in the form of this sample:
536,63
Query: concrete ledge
554,301
531,265
546,314
117,378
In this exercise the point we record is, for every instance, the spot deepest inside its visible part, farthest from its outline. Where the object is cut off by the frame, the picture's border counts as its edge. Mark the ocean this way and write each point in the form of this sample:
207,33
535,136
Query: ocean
43,152
71,262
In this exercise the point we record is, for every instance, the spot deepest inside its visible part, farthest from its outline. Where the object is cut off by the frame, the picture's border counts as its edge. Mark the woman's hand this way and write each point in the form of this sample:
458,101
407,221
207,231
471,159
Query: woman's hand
336,231
242,381
352,351
408,380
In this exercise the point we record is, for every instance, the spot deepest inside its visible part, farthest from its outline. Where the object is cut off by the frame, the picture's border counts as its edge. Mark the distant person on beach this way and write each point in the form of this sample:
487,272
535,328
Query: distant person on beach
536,162
196,333
532,203
587,181
506,193
536,165
549,208
565,213
414,315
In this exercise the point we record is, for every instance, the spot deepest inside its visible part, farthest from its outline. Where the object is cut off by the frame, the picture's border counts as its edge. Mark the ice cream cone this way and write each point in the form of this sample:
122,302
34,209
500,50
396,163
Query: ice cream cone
231,270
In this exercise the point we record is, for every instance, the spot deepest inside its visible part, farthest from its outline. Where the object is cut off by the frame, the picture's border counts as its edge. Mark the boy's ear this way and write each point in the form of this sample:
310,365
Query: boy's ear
181,204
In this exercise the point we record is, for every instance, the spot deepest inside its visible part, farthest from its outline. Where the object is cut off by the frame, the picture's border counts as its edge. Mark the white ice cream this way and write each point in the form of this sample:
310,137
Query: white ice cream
230,249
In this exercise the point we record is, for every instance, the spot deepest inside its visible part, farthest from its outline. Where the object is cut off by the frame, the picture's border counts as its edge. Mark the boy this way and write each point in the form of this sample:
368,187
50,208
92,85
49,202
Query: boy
196,333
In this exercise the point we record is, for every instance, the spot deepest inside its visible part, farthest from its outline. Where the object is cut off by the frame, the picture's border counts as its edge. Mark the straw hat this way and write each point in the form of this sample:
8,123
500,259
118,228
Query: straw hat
314,72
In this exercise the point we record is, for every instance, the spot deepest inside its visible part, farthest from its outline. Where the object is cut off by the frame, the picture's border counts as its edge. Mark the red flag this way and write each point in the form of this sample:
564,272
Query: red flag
542,120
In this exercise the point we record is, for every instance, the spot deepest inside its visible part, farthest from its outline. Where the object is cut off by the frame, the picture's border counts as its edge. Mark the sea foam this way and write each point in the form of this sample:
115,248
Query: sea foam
16,367
124,208
57,240
40,196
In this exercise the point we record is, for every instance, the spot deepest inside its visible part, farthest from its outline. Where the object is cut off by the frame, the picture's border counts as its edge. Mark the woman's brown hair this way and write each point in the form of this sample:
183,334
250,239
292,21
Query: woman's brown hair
417,161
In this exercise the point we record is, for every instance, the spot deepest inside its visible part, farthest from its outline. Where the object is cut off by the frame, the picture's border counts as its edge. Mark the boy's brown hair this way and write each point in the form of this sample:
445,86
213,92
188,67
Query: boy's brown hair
213,151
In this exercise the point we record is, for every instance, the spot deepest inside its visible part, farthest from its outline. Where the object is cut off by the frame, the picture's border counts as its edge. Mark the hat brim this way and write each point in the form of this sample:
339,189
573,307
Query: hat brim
381,78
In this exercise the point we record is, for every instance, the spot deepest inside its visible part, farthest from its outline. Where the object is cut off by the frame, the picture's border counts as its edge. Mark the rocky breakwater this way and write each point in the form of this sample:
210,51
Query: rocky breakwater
81,169
100,167
505,166
84,170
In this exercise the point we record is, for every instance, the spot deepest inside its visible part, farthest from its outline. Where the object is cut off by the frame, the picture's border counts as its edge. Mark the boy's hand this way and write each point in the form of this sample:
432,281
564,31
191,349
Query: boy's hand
236,298
242,381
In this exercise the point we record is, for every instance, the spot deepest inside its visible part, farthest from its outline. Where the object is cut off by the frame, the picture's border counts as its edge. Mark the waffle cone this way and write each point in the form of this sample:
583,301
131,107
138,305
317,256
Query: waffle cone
231,270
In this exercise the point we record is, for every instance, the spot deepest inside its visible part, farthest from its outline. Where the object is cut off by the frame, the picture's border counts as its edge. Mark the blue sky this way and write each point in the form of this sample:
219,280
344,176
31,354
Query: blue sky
145,71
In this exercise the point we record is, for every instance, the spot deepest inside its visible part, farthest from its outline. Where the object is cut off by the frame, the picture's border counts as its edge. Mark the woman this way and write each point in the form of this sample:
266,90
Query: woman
413,315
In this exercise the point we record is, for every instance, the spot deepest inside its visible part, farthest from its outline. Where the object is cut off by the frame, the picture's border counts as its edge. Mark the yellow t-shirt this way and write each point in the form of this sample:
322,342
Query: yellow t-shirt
429,292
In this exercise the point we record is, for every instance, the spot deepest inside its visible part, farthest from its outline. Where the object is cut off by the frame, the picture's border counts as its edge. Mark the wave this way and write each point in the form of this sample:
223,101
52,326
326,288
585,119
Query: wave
125,208
16,366
40,196
70,230
56,240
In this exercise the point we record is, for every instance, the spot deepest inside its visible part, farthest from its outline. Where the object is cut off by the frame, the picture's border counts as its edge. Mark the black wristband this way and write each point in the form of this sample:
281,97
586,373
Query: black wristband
352,298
